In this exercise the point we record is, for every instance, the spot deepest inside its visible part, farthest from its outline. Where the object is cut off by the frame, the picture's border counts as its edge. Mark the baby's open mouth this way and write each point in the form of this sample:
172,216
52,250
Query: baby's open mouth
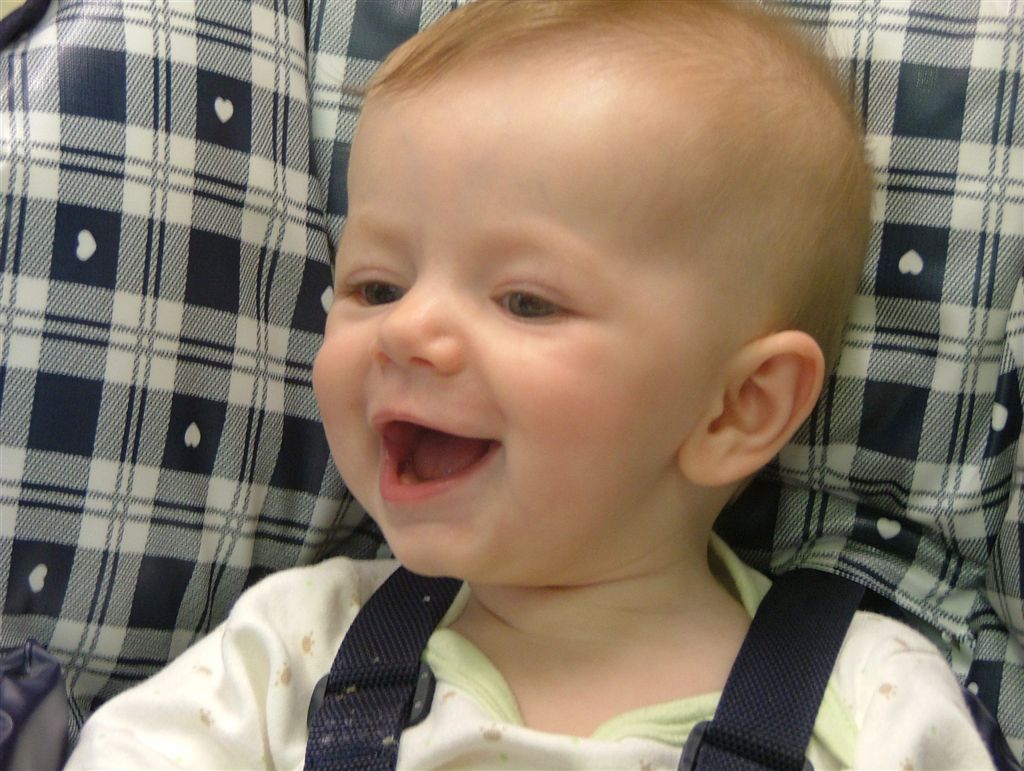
422,454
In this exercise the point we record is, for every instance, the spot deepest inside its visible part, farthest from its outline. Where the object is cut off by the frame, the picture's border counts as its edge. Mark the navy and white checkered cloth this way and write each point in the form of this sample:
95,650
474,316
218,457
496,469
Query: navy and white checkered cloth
164,265
172,179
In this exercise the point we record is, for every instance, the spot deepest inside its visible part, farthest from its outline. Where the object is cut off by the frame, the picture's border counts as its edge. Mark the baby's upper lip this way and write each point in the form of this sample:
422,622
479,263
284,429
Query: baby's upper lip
383,418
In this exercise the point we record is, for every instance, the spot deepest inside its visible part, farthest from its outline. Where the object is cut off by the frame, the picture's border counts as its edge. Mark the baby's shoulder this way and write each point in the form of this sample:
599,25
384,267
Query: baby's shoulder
875,637
330,590
905,701
882,658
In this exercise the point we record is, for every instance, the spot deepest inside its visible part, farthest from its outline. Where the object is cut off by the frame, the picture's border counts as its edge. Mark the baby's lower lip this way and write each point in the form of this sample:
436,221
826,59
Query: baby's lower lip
397,486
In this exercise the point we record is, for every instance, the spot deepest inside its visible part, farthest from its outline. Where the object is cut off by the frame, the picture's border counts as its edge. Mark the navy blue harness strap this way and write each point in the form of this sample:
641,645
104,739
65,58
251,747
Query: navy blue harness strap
370,691
766,714
22,19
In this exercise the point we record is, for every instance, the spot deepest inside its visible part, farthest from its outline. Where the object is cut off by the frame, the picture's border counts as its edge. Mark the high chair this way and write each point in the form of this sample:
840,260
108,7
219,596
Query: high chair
172,182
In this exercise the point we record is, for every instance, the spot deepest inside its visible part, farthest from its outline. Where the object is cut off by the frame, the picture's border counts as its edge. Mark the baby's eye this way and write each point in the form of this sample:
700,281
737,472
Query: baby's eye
528,306
377,293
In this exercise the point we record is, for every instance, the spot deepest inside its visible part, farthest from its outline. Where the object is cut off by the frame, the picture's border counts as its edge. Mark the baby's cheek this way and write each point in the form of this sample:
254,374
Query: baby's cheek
337,391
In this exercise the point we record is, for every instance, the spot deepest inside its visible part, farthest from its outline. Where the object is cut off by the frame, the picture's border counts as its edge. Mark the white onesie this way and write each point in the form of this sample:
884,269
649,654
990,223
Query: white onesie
239,697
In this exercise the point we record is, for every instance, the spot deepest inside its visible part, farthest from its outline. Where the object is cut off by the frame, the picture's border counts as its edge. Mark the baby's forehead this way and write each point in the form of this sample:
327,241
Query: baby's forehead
688,129
611,136
612,105
681,106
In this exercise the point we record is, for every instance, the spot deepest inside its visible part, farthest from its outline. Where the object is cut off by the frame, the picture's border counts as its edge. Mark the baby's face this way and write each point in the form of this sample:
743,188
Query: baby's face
509,369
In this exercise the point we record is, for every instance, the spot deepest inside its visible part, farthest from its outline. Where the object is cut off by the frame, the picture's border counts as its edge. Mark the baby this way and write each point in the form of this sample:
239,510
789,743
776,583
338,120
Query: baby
596,266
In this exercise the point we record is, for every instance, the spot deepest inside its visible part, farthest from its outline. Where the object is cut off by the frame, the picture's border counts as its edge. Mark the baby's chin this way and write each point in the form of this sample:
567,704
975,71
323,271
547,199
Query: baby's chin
438,550
408,548
436,563
423,566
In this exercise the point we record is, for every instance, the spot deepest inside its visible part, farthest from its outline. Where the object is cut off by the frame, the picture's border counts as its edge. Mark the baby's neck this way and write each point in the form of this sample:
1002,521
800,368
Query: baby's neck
575,657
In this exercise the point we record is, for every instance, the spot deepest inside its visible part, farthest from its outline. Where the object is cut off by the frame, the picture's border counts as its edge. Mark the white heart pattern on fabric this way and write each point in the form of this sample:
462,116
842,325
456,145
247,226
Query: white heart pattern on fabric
37,578
999,417
888,528
327,299
86,245
911,263
224,109
192,435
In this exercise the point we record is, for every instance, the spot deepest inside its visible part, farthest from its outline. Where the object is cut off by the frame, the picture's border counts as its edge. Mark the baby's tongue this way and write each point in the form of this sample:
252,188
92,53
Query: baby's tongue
440,455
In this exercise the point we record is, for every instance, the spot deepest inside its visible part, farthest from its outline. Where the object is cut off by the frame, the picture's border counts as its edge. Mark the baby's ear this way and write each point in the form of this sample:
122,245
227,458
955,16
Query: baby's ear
772,385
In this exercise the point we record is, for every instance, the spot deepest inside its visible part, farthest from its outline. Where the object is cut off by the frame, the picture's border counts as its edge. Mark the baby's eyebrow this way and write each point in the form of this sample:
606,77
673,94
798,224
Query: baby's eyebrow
526,239
504,240
368,226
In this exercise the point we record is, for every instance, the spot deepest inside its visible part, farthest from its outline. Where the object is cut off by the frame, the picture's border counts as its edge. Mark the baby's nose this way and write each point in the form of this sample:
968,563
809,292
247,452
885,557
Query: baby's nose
421,331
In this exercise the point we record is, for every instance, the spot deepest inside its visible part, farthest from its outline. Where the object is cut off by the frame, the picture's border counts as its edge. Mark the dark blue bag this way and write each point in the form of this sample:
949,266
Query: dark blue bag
33,709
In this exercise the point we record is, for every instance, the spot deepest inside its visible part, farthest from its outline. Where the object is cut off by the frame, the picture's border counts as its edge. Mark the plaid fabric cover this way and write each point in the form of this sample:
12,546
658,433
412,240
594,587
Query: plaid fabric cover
164,266
906,477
